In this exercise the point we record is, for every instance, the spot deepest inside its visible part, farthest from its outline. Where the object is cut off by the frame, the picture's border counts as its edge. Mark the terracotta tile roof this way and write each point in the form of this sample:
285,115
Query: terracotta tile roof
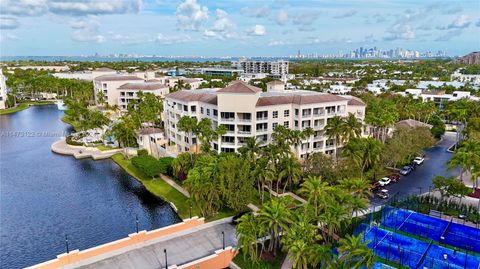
299,99
240,87
142,86
116,78
189,96
355,101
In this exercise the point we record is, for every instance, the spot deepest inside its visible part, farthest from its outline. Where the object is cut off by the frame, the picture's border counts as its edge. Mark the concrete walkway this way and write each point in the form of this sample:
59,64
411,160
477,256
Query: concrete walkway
291,194
174,184
81,152
182,247
287,263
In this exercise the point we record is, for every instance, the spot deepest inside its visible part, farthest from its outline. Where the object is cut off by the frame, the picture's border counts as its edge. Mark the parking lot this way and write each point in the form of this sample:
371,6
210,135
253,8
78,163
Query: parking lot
420,180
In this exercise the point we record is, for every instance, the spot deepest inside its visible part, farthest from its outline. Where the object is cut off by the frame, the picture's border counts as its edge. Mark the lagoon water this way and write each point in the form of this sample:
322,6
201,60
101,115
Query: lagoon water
44,196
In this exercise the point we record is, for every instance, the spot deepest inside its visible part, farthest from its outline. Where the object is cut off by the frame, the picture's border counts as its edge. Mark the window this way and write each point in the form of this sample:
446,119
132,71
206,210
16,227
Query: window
262,115
274,125
286,124
193,109
286,113
201,110
275,114
215,112
208,112
185,108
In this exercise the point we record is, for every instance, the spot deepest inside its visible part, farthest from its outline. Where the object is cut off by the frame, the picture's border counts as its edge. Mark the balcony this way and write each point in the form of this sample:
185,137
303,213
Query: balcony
262,118
306,115
244,132
262,130
227,119
228,143
319,114
244,120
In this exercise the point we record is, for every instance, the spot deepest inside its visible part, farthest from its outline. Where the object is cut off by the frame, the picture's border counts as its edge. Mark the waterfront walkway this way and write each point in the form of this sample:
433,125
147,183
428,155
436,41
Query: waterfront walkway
81,152
182,248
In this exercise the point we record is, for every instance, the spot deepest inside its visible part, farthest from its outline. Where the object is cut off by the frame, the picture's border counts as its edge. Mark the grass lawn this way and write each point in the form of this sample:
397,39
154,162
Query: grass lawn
163,190
247,264
24,105
105,148
66,119
159,187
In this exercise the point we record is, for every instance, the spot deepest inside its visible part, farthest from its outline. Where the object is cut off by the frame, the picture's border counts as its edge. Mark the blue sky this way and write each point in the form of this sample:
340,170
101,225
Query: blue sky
235,27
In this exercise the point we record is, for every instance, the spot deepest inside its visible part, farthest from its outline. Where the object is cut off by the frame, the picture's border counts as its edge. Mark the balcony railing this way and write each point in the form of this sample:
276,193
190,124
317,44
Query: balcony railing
262,118
318,114
245,132
228,143
227,119
244,120
262,130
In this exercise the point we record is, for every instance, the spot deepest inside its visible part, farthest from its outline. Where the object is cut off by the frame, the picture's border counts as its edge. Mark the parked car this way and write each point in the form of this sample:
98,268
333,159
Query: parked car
375,186
383,194
395,177
384,181
418,160
406,170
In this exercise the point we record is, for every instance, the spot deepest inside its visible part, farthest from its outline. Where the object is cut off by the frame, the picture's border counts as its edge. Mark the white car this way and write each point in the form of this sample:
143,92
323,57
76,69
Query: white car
384,181
418,160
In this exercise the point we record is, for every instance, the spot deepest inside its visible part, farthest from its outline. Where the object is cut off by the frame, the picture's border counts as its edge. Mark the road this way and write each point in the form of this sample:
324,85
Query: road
420,180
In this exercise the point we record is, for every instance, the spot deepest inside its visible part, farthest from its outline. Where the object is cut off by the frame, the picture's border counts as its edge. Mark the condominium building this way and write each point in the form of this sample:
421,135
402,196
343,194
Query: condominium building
277,68
473,79
129,91
3,91
120,89
246,111
109,84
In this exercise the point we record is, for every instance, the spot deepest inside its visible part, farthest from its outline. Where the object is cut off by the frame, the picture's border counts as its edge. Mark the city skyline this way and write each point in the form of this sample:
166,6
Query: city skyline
235,28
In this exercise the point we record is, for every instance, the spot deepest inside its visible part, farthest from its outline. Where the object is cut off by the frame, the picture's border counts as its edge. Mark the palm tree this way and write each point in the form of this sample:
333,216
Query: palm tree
189,125
355,253
316,191
275,217
248,232
179,85
291,170
251,149
352,128
467,156
335,129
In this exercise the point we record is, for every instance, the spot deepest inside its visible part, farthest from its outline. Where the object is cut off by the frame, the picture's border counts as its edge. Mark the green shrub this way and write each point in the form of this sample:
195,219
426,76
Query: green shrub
147,164
71,142
166,164
142,152
438,128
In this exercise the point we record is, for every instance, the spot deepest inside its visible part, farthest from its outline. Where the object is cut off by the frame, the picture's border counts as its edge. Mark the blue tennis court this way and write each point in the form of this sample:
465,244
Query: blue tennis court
454,234
415,253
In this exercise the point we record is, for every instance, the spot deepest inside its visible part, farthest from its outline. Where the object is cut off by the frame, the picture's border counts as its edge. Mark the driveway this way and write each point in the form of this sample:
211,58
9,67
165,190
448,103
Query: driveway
420,180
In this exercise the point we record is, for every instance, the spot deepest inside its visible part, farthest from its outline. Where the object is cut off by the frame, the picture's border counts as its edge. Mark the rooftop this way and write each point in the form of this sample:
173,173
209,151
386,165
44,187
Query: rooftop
117,78
149,130
240,87
143,86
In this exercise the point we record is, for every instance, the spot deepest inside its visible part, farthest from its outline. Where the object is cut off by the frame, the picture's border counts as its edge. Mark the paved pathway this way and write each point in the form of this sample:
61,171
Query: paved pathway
81,152
174,184
287,263
182,247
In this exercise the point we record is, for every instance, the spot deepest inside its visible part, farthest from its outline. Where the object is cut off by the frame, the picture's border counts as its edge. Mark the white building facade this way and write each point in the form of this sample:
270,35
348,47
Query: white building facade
109,85
277,68
129,91
3,91
246,111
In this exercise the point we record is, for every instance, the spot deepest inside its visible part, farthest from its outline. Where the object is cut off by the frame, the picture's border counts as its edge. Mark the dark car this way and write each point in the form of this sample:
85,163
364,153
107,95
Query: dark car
238,216
406,170
375,186
395,177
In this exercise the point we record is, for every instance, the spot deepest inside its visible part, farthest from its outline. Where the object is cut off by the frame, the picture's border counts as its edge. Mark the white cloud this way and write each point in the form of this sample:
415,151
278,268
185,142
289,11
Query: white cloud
449,35
275,43
222,27
87,30
8,22
5,37
170,40
23,7
462,21
93,7
347,14
305,20
256,12
282,17
191,15
400,32
75,8
257,30
209,33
